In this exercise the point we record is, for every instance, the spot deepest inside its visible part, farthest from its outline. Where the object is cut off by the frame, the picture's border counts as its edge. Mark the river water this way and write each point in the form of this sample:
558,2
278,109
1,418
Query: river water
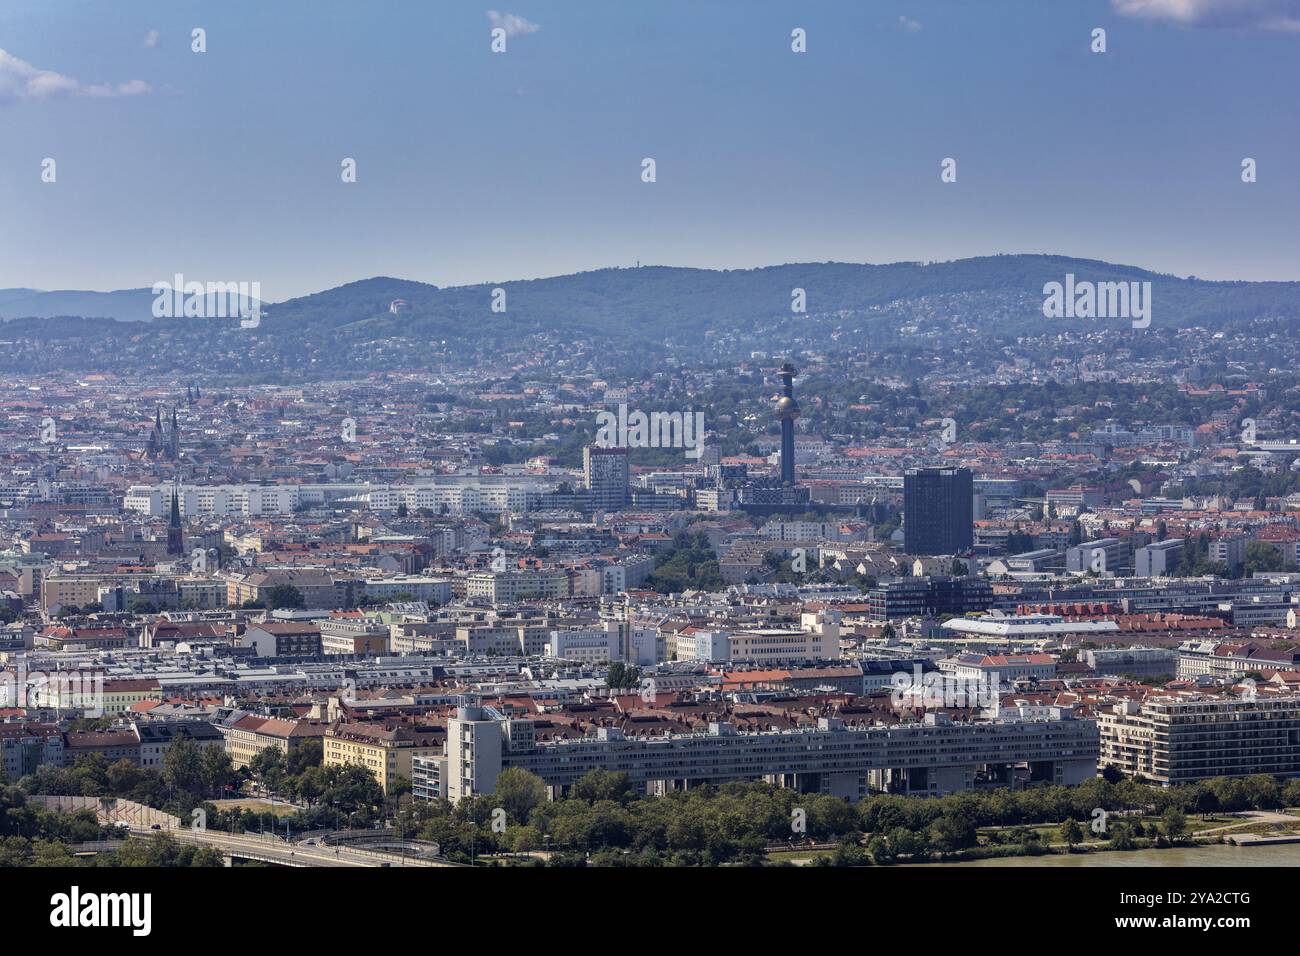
1281,854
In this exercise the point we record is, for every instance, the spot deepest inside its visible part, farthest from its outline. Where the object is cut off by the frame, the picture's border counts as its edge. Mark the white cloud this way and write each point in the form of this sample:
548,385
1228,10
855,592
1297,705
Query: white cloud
1248,14
512,23
908,25
20,80
132,88
151,39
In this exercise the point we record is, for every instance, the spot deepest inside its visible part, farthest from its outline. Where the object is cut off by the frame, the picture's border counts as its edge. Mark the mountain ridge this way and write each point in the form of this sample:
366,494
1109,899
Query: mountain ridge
641,311
136,304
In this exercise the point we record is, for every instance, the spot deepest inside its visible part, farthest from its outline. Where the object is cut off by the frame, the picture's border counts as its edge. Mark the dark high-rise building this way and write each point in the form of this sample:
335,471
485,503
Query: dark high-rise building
787,410
937,511
605,473
928,597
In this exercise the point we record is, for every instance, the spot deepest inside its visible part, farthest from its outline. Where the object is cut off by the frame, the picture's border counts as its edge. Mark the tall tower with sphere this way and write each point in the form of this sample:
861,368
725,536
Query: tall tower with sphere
787,410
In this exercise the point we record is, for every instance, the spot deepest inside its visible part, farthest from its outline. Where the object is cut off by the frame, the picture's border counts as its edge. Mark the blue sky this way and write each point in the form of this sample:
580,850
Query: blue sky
474,166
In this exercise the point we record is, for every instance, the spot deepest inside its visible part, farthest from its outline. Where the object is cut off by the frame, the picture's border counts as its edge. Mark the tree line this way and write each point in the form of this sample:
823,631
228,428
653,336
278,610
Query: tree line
603,821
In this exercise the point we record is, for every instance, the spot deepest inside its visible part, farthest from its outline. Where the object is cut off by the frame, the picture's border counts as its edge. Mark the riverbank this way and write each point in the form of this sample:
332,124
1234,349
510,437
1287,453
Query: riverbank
1207,854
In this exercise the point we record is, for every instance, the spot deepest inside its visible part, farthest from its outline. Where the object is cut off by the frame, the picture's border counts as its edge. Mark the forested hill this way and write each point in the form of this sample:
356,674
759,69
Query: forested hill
646,307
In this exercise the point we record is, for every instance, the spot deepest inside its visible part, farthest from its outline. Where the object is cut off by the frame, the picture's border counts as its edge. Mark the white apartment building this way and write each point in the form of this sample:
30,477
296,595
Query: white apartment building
1230,550
206,500
504,587
430,590
773,646
630,572
1104,556
1158,559
806,531
447,494
587,645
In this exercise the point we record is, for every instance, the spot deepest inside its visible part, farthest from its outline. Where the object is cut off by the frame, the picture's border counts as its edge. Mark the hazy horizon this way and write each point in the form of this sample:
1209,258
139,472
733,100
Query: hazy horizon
337,284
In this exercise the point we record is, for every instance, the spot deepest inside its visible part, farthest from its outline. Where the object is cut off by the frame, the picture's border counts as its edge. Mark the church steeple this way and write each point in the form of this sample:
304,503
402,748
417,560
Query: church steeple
154,448
175,536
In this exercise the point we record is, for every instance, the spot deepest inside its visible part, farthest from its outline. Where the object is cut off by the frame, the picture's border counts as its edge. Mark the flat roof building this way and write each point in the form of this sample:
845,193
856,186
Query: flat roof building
933,757
1179,740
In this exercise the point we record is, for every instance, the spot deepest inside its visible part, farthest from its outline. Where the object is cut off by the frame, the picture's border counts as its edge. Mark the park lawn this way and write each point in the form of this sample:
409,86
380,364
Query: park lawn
256,805
1047,833
789,856
1195,824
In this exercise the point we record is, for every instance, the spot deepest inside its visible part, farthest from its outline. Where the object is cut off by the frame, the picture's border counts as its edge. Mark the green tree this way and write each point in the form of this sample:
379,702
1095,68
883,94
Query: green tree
183,767
953,831
880,851
309,753
1071,832
518,792
1121,837
284,596
689,565
1263,556
907,843
1174,822
267,767
596,785
216,770
123,777
620,676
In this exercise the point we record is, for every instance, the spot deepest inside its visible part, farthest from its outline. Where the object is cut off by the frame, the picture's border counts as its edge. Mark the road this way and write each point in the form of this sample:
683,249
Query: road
269,849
